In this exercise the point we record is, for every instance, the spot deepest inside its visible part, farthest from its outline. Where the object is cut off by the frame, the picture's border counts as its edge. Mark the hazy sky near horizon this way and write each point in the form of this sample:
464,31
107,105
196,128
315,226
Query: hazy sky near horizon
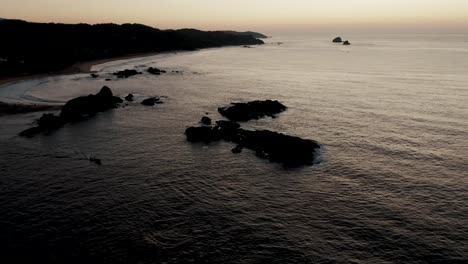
269,15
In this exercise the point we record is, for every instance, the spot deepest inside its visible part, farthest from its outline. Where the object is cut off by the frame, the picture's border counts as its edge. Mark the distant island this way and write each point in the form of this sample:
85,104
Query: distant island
32,48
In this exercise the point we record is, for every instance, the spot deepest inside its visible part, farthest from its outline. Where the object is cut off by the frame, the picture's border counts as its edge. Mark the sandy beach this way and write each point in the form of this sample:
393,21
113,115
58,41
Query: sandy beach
79,67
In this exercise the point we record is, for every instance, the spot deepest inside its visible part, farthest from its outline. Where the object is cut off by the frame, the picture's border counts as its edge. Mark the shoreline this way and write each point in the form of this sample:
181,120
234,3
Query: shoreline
79,67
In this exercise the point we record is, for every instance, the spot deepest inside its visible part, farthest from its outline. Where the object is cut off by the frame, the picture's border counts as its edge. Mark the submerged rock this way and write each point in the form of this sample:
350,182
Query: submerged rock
252,110
95,160
337,40
151,101
126,73
346,43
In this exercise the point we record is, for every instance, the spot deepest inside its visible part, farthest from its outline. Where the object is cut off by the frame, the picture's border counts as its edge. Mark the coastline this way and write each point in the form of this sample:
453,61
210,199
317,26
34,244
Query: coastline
79,67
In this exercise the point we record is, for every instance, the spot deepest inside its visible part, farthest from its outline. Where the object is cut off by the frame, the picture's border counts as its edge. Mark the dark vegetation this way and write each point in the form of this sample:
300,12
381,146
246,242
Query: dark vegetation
46,47
247,33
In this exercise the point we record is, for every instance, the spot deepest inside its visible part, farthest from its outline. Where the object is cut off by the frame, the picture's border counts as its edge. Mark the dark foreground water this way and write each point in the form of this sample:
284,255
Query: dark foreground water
391,187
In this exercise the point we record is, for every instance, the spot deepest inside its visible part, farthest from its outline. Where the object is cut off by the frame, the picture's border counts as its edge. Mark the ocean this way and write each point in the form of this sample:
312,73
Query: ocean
390,184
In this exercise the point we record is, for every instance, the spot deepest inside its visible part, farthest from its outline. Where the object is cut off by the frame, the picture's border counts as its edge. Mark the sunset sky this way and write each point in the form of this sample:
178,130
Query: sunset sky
265,15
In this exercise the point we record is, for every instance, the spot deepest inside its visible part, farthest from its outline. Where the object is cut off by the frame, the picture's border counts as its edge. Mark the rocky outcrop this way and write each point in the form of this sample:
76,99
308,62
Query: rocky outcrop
346,43
337,40
80,107
74,110
252,110
129,98
126,73
151,101
47,123
276,147
155,71
206,120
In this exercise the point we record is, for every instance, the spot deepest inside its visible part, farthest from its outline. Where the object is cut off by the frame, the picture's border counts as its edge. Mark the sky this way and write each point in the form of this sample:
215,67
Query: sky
260,15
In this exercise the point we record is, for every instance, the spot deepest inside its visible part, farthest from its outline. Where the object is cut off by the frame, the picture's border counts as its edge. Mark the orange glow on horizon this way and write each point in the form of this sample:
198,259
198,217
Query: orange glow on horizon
260,15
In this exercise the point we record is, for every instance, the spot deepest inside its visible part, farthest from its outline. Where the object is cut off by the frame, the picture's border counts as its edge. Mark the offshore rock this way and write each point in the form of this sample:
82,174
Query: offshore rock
206,120
151,101
129,98
252,110
80,107
155,71
126,73
337,40
74,110
276,147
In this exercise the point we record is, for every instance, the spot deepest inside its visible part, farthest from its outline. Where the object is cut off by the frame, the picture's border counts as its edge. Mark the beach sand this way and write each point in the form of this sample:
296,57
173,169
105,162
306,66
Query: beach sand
80,67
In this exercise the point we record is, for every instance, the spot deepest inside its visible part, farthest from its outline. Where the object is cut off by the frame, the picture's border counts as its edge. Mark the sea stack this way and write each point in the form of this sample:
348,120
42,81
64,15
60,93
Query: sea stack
337,40
346,43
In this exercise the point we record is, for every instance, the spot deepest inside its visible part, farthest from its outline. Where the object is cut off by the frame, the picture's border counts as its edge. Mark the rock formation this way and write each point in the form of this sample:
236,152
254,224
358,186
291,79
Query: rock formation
337,40
126,73
75,109
151,101
251,110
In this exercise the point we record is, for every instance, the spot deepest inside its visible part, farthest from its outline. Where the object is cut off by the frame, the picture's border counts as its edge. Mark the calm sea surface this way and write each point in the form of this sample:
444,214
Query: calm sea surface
390,111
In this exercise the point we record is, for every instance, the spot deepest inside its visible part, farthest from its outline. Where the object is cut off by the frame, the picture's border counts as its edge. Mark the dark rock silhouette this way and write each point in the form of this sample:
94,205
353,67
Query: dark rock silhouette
126,73
46,47
238,149
346,43
276,147
201,134
251,110
206,120
337,40
94,75
47,123
95,160
151,101
108,79
155,71
129,98
74,110
80,107
228,125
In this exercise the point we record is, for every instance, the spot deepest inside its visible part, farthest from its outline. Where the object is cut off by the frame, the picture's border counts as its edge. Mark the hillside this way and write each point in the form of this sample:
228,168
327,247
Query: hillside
42,47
